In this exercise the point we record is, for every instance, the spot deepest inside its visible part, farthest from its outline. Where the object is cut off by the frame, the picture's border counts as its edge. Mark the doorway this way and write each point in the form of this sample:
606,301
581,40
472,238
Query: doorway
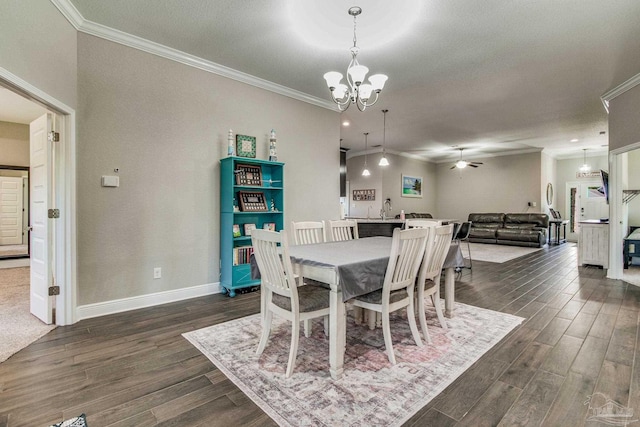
62,244
585,200
14,210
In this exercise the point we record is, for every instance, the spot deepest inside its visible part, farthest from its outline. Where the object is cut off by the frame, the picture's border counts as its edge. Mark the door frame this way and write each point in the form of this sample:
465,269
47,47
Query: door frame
617,209
25,206
65,245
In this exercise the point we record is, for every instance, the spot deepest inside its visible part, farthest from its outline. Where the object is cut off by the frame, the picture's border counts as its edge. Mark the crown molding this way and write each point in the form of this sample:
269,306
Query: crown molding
76,19
619,90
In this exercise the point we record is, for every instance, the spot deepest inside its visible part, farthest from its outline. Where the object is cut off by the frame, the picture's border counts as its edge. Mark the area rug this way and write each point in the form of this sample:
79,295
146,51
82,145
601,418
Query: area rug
19,327
495,253
371,391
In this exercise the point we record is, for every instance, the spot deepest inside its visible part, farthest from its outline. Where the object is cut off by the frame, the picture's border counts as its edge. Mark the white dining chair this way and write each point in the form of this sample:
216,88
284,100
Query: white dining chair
407,252
429,276
284,296
341,230
421,223
308,232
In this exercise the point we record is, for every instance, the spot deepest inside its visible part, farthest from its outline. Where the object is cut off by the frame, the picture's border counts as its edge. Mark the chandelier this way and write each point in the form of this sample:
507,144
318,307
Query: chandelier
357,92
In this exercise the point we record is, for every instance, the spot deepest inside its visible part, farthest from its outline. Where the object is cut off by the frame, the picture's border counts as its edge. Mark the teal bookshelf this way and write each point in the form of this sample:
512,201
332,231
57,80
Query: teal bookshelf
235,272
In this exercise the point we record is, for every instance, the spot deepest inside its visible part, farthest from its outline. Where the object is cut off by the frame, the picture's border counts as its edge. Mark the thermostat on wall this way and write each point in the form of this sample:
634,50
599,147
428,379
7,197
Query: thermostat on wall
110,181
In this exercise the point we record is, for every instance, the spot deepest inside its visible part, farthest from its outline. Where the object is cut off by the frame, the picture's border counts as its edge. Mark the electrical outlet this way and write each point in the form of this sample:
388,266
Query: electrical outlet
534,204
157,273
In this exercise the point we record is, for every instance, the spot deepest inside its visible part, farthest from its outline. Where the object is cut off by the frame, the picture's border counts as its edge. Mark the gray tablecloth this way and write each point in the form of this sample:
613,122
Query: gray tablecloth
361,263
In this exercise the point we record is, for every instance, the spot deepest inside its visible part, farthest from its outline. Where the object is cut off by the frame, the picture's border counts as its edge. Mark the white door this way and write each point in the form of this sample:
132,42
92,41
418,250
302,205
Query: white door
10,210
40,182
589,202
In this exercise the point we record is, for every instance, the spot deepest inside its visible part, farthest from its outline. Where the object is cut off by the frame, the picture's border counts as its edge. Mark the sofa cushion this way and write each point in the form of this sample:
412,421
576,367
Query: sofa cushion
479,218
486,232
535,219
518,234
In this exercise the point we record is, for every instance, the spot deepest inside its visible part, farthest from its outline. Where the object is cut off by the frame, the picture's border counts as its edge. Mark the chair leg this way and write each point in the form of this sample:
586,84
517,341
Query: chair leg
469,249
435,299
307,328
412,321
422,314
325,321
295,335
266,330
371,319
386,331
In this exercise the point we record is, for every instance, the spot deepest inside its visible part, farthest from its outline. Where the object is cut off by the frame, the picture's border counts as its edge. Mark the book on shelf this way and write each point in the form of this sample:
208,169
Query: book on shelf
242,255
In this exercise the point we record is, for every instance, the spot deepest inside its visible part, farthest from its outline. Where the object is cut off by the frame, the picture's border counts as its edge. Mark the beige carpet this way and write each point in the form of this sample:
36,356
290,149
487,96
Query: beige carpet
495,253
19,327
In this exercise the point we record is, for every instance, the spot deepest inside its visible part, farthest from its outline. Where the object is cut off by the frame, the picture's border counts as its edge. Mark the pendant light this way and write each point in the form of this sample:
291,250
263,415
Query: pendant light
383,159
365,172
585,167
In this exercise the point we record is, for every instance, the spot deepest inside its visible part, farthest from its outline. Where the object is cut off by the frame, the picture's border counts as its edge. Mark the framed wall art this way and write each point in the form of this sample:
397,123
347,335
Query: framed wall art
411,186
364,195
246,146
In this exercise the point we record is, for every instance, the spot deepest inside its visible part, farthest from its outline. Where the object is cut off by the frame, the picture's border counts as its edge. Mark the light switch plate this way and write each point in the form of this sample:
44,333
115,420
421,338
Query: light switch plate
110,181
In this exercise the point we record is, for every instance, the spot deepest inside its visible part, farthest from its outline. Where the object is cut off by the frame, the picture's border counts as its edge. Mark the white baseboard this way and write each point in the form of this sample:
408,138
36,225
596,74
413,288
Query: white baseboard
126,304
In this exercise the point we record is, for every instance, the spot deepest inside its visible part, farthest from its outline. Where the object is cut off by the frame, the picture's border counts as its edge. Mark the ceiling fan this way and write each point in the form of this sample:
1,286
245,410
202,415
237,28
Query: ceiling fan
461,164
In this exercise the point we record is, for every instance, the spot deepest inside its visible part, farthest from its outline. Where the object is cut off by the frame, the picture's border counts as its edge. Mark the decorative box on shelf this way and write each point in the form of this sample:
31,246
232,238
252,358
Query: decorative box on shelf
251,195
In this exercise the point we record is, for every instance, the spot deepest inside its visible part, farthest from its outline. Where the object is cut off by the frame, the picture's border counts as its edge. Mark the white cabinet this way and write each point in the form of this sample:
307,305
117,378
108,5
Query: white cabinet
593,243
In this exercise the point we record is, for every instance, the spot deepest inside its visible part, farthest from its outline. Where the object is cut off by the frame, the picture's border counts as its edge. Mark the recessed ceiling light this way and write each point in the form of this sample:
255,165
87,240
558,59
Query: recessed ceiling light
575,140
345,123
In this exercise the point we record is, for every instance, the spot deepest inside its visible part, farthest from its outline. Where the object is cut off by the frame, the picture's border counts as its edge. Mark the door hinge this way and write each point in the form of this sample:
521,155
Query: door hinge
53,136
54,213
54,290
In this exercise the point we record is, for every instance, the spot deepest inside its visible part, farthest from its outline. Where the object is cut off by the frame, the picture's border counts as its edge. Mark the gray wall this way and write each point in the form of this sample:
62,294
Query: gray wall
501,184
387,183
14,144
164,125
40,46
624,125
633,181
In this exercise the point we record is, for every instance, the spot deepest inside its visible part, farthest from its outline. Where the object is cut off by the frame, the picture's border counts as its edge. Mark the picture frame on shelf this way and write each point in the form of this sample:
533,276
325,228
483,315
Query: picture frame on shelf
246,146
236,230
411,186
252,201
271,226
248,175
248,228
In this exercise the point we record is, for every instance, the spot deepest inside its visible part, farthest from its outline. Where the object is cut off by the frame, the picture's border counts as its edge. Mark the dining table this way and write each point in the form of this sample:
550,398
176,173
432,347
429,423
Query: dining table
352,268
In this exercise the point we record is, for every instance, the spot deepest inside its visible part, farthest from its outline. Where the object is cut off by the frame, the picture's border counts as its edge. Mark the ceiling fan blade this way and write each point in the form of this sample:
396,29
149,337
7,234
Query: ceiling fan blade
476,163
472,165
453,167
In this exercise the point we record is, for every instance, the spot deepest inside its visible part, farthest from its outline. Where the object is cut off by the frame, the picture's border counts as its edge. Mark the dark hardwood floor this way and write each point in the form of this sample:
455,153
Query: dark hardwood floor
135,369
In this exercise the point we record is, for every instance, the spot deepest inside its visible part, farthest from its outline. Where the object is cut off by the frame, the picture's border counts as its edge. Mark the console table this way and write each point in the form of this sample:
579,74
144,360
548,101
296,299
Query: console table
555,224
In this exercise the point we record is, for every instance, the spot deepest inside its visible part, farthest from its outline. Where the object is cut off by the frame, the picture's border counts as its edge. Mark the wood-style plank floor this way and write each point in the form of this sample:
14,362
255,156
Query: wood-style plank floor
135,369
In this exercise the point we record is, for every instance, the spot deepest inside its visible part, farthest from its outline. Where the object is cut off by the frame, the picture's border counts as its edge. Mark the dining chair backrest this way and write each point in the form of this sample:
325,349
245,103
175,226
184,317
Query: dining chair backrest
272,256
342,230
463,231
407,252
432,265
308,232
421,223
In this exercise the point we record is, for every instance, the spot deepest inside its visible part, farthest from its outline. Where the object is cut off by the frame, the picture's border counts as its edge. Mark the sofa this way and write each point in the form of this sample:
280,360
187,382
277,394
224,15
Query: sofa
518,229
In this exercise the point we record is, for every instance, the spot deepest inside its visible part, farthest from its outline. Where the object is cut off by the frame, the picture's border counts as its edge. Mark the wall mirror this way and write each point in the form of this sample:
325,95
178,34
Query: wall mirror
14,212
549,194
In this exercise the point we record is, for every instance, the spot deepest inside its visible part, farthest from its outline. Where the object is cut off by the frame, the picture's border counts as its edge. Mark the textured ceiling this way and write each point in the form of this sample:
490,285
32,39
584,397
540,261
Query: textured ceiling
488,75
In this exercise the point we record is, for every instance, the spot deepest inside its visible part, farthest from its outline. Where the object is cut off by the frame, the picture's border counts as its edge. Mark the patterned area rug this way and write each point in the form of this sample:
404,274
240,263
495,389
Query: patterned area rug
495,253
371,391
